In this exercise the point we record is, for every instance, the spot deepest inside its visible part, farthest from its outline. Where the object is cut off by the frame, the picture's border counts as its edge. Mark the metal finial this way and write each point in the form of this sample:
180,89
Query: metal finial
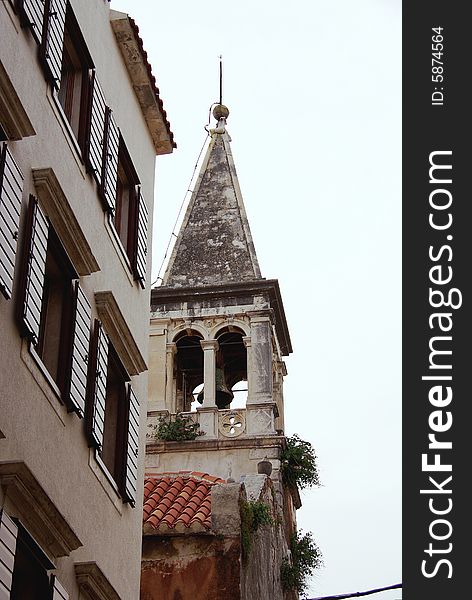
221,111
221,79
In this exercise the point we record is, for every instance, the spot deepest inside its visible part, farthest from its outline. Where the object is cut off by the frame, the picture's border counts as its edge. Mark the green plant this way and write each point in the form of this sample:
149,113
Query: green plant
306,557
254,514
180,429
298,463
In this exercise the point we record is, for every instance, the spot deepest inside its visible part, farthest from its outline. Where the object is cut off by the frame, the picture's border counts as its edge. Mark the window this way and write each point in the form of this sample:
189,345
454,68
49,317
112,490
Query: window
25,567
125,217
11,190
56,311
74,85
53,311
113,415
30,571
124,201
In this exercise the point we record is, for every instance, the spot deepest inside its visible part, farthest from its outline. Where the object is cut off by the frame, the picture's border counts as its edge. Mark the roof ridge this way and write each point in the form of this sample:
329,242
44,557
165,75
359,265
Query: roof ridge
197,475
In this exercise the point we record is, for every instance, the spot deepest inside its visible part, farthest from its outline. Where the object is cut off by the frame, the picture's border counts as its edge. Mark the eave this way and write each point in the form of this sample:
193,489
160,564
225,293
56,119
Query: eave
143,81
165,294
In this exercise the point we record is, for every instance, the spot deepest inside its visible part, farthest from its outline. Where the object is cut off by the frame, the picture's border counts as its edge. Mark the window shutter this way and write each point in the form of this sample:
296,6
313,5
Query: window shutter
98,376
58,592
11,188
54,39
8,535
36,237
111,162
140,257
32,11
80,352
132,451
97,132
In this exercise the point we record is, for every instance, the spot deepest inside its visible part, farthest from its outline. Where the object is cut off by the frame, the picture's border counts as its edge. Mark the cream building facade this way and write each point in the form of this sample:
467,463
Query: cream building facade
81,123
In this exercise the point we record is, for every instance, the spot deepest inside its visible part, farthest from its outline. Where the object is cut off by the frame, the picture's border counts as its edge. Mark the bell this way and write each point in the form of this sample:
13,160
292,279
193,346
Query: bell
223,394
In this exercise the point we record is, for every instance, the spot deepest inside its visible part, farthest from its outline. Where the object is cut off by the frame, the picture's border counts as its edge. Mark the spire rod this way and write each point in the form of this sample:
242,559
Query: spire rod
221,79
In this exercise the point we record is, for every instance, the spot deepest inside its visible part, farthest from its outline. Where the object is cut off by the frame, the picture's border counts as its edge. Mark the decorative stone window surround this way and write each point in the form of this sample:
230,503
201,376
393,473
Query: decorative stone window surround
38,512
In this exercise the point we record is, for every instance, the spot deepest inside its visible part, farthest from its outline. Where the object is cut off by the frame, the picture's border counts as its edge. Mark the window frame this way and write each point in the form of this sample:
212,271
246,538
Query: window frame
76,111
69,381
122,475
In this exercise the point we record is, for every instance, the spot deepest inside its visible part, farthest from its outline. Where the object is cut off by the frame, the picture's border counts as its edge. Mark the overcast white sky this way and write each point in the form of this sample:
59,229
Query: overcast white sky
314,90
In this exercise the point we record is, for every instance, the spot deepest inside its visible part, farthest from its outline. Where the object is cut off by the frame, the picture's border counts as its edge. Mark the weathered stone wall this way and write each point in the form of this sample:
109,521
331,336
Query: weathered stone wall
190,567
260,573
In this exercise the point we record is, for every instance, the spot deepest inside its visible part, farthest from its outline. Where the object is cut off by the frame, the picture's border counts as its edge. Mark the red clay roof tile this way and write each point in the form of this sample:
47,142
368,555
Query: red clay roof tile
178,498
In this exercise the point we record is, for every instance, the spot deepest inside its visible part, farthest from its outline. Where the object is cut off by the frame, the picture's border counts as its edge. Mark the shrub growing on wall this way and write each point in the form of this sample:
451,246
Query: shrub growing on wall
298,463
254,514
306,557
182,428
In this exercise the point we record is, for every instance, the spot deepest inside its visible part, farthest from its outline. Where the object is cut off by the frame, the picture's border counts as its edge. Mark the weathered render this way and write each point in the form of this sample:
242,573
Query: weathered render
77,157
216,323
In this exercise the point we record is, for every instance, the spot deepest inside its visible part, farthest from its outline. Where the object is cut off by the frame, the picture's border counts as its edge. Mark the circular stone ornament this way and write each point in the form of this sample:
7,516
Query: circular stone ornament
232,424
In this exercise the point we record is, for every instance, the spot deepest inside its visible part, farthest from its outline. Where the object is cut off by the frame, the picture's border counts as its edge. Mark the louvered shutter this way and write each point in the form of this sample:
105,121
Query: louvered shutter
132,451
36,237
80,352
98,394
111,162
97,132
33,13
58,591
140,255
54,39
11,188
8,535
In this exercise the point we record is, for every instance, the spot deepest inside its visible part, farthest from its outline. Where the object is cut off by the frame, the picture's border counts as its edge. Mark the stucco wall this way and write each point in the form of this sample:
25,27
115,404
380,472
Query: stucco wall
37,427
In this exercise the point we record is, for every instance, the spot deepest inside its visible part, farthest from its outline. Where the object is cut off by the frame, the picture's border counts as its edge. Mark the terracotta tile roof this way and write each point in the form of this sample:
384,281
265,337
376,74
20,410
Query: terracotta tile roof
152,79
178,502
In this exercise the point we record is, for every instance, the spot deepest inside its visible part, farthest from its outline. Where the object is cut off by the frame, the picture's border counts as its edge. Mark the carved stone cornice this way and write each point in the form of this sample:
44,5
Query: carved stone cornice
119,333
93,583
36,509
15,121
64,221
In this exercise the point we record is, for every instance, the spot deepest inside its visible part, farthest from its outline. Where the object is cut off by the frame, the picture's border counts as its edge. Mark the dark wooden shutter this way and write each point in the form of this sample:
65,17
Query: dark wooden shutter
11,189
32,14
53,39
8,535
111,162
36,240
132,450
98,367
96,144
58,591
140,255
80,352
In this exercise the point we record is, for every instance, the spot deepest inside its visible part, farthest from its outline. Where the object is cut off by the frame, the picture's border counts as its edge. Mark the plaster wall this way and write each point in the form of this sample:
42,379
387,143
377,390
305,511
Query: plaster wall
37,428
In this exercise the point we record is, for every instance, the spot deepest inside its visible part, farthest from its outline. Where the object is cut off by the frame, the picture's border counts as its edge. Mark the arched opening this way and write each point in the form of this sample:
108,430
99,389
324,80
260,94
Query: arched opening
231,368
189,371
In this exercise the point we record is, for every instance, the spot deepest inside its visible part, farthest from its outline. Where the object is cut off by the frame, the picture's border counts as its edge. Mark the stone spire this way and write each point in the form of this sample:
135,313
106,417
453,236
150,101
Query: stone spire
214,245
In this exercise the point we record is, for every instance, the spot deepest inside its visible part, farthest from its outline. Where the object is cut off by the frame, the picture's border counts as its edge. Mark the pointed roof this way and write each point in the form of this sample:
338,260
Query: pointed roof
214,245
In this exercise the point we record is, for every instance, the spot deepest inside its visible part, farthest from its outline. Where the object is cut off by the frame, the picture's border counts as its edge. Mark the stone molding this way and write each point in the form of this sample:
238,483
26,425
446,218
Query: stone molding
15,120
93,583
36,509
64,221
119,333
142,82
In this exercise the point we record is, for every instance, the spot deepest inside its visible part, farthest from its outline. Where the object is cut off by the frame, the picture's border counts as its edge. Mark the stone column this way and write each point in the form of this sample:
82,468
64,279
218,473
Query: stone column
260,406
171,350
260,363
209,372
249,367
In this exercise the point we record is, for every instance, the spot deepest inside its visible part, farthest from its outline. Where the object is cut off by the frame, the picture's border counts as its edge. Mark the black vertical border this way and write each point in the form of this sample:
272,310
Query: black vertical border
426,129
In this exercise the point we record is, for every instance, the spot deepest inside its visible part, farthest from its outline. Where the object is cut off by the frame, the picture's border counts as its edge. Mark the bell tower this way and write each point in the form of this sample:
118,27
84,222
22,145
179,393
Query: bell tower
218,335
